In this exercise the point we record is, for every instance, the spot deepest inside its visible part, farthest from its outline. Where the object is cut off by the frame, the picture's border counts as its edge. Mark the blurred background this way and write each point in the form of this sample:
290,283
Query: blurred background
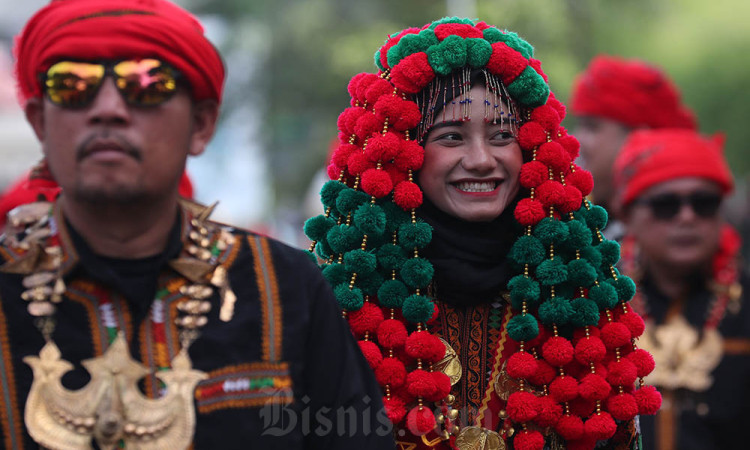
289,62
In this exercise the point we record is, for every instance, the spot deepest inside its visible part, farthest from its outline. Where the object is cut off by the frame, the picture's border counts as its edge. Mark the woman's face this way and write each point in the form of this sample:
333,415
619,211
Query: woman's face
471,167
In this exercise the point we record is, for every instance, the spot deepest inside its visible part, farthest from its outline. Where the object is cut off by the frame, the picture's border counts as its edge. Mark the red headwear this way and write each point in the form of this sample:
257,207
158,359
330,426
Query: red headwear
117,29
650,157
631,92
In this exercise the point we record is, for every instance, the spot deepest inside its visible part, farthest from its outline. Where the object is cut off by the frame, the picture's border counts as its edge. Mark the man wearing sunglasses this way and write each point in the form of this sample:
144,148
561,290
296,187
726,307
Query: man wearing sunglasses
611,98
129,319
685,261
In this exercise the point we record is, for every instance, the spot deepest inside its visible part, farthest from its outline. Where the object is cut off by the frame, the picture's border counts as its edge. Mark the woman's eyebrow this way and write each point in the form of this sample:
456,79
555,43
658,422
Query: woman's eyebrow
449,123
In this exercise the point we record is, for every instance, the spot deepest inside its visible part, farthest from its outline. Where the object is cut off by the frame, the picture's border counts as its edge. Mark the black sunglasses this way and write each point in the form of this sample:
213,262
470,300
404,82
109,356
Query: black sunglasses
667,206
141,82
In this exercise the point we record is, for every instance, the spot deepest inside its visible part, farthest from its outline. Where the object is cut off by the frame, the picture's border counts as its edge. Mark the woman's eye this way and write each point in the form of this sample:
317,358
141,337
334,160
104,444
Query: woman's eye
504,135
450,136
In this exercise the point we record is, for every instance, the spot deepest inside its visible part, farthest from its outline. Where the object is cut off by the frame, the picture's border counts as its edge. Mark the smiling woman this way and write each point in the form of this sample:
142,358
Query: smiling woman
465,258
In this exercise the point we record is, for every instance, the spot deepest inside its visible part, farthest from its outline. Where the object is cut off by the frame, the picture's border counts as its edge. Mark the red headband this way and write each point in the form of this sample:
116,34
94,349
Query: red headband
650,157
631,92
116,29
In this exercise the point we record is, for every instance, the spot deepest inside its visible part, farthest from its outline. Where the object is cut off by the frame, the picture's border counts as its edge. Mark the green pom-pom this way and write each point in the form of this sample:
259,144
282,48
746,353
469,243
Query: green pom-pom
343,238
517,43
395,216
349,299
410,44
579,235
585,312
377,60
610,251
417,273
417,308
592,255
523,289
529,88
552,271
336,274
451,19
551,231
523,328
447,55
527,250
478,52
323,250
581,273
349,200
369,283
596,218
392,293
556,310
391,257
360,261
414,235
604,295
317,227
625,287
370,219
330,191
493,35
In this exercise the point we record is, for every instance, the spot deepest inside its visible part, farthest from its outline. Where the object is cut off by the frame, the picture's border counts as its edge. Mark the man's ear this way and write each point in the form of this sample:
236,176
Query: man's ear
205,116
34,111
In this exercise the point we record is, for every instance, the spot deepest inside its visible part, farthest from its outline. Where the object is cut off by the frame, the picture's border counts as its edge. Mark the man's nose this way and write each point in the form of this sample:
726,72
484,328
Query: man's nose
109,106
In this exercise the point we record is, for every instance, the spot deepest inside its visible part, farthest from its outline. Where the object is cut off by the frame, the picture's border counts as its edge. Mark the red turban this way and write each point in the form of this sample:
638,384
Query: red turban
117,29
650,157
631,92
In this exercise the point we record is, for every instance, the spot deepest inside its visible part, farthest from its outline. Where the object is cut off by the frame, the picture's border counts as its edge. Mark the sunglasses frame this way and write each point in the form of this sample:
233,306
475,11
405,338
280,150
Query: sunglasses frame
667,206
109,70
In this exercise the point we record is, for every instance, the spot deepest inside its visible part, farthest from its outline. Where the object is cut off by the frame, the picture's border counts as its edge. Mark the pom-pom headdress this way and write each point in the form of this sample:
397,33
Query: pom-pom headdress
370,239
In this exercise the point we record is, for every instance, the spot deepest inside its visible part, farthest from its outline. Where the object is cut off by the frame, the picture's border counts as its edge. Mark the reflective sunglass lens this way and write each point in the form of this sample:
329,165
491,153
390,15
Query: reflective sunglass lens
146,82
73,84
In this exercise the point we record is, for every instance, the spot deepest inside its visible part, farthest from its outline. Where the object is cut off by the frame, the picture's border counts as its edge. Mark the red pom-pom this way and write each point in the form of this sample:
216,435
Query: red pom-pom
376,182
582,407
442,387
368,124
594,387
541,337
371,353
407,195
648,399
550,193
521,365
600,426
622,373
392,334
547,117
383,147
363,85
572,200
557,105
615,334
333,171
590,349
506,62
395,409
529,212
569,427
643,361
533,173
464,30
537,66
410,157
358,163
391,372
393,41
549,412
426,346
581,444
531,135
366,319
554,156
558,351
419,383
412,73
522,406
582,180
420,421
397,175
571,145
528,440
543,374
341,155
622,406
354,83
402,114
564,388
379,88
348,119
634,322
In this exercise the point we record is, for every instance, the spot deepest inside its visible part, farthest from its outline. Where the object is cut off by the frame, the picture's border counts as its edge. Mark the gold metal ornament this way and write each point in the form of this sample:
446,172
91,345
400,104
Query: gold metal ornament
504,384
449,365
110,408
478,438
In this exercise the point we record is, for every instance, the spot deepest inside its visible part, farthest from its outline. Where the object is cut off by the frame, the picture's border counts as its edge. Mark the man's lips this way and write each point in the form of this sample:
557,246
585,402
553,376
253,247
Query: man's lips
107,149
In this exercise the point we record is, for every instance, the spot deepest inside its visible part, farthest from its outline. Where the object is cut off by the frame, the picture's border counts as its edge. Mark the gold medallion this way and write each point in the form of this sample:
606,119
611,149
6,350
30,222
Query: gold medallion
449,365
478,438
505,384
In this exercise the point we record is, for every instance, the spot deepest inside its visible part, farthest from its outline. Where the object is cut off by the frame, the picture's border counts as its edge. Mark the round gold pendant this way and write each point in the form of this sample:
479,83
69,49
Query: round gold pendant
477,438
